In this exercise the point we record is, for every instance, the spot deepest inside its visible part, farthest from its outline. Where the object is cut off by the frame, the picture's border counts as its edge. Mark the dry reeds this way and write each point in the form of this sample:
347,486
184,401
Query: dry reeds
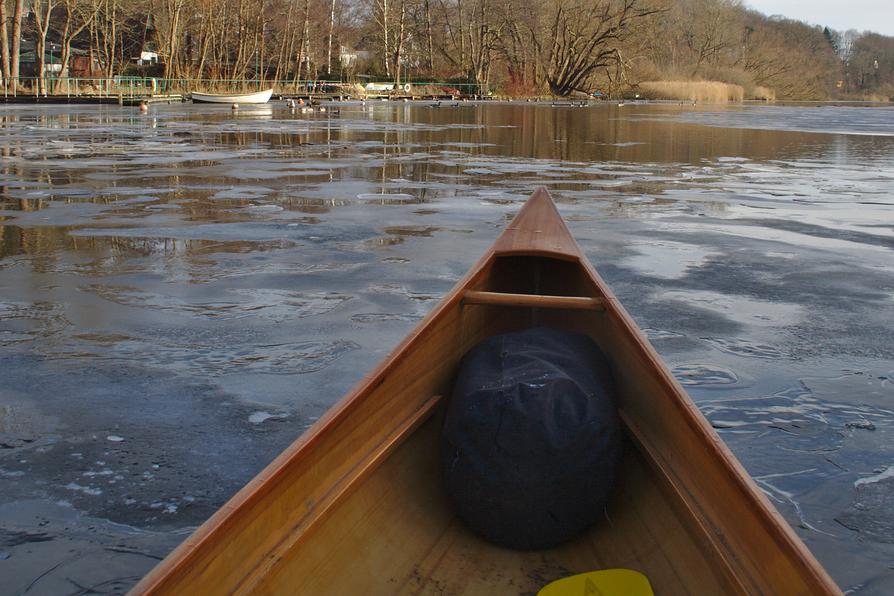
764,93
700,91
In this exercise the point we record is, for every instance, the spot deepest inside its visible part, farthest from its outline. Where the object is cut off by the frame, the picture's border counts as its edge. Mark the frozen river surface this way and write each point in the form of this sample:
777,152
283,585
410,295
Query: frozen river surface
185,292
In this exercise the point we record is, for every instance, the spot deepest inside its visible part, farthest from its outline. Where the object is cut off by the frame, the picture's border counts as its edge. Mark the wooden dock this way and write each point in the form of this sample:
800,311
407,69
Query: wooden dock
154,99
91,99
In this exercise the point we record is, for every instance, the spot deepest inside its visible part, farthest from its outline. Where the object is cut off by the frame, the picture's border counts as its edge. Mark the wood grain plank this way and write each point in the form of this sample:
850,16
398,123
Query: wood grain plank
532,300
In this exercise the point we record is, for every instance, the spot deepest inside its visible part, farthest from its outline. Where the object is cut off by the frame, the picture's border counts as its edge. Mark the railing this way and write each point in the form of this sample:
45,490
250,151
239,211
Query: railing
125,87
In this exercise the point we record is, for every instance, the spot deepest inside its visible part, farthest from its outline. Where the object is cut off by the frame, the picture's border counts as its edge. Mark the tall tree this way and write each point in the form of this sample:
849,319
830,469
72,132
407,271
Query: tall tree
16,38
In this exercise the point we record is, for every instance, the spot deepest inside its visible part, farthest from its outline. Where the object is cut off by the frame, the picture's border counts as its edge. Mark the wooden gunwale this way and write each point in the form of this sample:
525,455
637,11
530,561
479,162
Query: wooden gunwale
547,237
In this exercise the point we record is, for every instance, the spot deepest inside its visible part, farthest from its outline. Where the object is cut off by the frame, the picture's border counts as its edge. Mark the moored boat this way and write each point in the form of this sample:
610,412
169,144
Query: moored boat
231,98
357,504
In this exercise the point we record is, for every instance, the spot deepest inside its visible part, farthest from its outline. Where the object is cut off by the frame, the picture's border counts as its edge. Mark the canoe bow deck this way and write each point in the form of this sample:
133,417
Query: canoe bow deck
356,504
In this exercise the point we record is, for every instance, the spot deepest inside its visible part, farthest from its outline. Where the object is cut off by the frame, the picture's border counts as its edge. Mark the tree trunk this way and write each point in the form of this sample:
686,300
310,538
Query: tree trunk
261,68
207,36
400,42
16,39
462,38
66,45
331,29
174,8
431,44
385,37
4,42
42,19
302,56
110,37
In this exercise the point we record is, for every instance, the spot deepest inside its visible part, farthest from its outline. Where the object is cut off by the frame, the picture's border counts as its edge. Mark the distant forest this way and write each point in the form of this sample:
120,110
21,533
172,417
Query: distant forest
514,47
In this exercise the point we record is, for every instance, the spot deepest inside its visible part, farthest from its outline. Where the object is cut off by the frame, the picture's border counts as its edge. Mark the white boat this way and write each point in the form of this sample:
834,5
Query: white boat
257,97
386,87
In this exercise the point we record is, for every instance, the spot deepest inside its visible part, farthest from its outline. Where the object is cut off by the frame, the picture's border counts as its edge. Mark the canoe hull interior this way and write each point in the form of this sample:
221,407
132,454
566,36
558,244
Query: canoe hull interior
410,541
357,504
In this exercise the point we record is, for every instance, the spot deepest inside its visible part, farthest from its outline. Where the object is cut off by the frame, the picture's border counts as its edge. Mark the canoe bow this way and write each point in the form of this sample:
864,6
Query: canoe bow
355,502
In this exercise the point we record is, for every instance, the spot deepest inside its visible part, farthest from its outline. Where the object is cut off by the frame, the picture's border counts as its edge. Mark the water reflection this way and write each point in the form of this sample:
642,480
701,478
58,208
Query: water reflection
407,146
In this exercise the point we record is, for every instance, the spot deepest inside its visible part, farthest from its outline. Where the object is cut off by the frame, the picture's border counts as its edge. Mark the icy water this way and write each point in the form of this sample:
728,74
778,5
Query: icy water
183,293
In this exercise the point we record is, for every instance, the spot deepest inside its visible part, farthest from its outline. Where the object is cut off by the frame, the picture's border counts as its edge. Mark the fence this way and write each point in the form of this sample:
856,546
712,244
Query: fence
130,88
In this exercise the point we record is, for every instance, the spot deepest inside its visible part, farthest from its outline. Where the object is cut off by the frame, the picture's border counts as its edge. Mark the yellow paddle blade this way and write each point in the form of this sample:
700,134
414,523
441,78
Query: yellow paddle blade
608,582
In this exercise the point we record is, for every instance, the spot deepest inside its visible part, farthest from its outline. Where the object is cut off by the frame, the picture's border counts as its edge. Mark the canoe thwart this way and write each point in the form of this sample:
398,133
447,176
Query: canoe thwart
533,300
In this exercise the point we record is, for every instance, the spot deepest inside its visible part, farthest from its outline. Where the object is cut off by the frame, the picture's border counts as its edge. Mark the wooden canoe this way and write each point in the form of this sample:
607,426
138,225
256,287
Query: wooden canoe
356,505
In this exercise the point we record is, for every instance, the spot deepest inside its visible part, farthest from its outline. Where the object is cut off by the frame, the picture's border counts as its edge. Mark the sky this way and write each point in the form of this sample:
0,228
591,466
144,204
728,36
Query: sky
862,15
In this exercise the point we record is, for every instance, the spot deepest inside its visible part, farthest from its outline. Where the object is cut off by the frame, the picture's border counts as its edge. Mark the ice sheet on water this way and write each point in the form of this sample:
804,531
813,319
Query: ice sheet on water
373,317
245,231
797,419
27,321
747,348
388,197
872,512
742,309
704,375
243,192
272,304
188,354
887,474
667,259
659,334
878,121
263,415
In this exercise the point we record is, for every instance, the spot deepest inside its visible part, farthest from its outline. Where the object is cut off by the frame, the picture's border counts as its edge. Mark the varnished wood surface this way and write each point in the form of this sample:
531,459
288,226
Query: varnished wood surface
536,231
429,551
532,300
356,505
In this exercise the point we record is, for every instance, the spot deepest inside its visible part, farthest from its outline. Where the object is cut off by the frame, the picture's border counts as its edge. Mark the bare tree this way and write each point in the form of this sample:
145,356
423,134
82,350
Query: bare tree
710,28
471,36
78,16
382,15
43,11
846,44
580,37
